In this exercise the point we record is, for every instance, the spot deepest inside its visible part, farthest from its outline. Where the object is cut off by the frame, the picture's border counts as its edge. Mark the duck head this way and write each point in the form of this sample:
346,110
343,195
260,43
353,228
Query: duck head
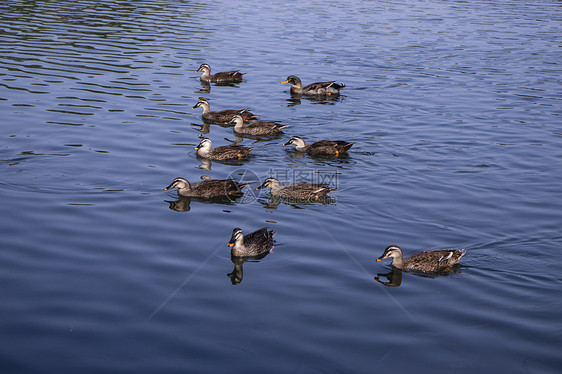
203,68
393,251
269,183
179,183
297,141
293,79
237,237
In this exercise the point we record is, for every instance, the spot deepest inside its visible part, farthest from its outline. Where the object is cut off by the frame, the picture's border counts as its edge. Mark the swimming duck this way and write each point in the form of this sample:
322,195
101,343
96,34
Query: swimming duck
222,115
207,188
253,244
223,77
318,88
321,147
298,190
256,127
433,261
224,152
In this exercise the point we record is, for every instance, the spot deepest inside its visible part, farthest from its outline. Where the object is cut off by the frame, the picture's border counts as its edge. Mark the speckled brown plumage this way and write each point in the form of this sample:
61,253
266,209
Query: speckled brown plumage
433,261
233,76
257,128
320,147
298,190
222,115
207,188
225,152
253,244
314,89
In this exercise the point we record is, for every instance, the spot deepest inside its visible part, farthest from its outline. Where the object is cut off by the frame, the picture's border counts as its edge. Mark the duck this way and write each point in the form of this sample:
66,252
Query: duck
256,128
207,188
224,152
298,190
253,244
321,147
318,88
432,261
222,77
222,115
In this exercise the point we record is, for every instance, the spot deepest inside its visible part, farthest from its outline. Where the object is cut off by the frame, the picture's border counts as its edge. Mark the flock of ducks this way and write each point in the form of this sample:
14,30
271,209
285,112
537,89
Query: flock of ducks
261,241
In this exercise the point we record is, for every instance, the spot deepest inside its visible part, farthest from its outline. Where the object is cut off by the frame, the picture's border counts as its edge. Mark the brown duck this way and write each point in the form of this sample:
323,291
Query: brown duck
313,89
433,261
222,77
207,188
256,128
253,244
222,115
298,190
224,152
321,147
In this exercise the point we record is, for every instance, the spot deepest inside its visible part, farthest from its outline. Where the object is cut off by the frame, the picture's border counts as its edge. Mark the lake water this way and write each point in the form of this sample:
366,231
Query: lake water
455,110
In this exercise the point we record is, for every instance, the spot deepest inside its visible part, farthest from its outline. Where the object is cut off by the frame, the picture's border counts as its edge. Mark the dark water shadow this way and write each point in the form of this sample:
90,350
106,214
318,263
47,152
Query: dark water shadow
206,86
296,99
238,272
274,201
206,163
394,277
183,203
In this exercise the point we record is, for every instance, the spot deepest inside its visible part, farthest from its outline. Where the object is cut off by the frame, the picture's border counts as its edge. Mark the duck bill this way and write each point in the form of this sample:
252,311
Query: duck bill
284,82
197,148
230,244
167,188
194,107
379,259
259,188
286,144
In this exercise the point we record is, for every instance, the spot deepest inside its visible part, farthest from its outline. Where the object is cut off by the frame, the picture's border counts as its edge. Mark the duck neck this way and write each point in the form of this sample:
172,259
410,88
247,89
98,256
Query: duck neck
238,247
204,150
206,108
185,188
206,76
398,261
239,125
275,187
301,146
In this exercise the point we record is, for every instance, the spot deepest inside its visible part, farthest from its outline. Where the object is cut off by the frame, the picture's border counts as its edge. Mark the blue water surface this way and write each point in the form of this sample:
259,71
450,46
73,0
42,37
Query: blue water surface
455,111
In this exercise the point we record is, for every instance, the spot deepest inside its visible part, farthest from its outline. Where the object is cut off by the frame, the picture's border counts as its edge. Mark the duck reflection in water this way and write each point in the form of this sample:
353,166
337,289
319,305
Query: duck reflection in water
274,201
296,99
183,203
238,271
394,278
251,247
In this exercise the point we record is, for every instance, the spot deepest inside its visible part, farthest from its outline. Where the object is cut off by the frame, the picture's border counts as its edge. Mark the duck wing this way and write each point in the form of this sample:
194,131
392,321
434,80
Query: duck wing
307,190
230,151
323,88
263,128
259,241
434,260
227,76
217,187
